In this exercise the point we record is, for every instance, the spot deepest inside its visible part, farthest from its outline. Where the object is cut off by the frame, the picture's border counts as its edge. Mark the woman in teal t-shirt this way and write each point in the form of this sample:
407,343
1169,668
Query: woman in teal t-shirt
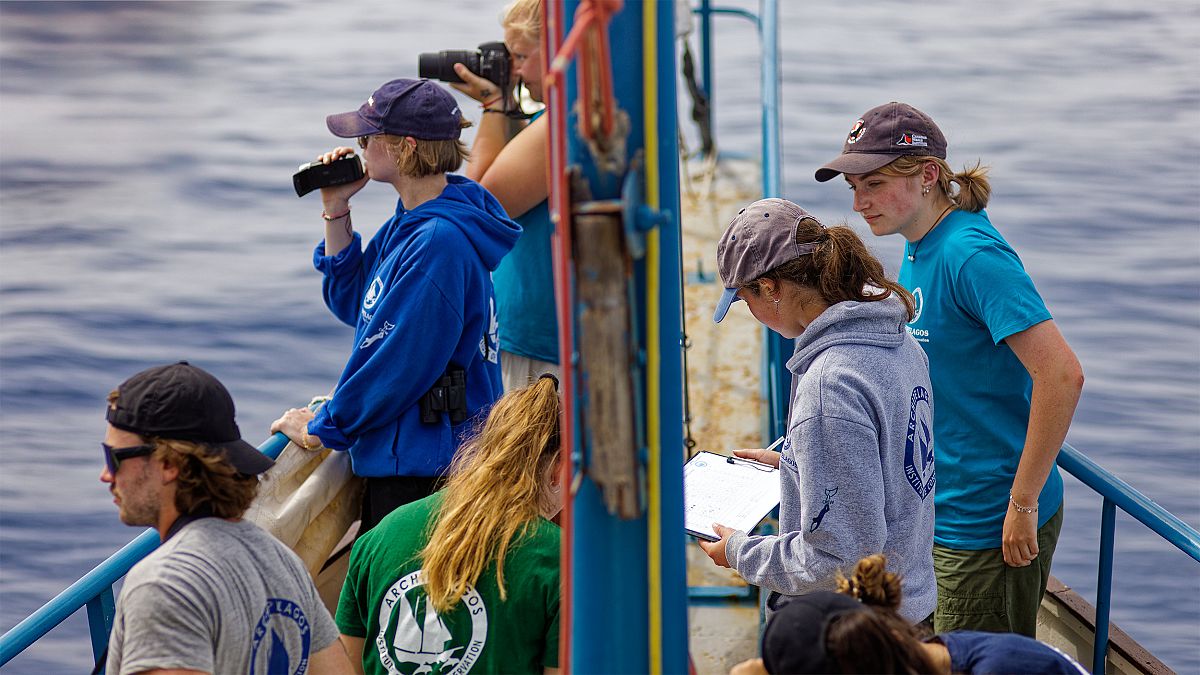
1005,380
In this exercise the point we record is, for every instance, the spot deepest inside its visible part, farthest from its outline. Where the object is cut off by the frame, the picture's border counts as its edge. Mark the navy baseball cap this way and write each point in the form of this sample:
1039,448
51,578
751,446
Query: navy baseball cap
182,402
794,639
403,107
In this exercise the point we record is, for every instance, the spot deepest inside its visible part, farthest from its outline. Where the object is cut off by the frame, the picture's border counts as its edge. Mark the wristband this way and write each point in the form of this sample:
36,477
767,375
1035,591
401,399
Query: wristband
328,217
487,104
493,110
1019,508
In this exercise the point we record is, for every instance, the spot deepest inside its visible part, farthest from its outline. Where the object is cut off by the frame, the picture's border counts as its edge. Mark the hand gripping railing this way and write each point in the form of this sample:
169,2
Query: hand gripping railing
94,589
1117,492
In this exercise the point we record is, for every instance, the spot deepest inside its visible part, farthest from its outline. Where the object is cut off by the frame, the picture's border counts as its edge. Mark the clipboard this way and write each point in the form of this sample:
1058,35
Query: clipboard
731,491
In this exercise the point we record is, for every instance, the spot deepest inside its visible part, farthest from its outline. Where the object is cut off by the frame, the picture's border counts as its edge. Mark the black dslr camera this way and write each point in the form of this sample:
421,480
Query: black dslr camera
490,61
317,175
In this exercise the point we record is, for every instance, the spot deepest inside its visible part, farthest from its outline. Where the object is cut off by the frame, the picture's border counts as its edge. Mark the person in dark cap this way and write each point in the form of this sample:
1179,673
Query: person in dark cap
856,467
220,595
425,356
1007,380
856,630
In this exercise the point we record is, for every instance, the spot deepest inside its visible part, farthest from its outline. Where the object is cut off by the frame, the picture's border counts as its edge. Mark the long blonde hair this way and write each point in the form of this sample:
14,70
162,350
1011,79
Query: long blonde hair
500,484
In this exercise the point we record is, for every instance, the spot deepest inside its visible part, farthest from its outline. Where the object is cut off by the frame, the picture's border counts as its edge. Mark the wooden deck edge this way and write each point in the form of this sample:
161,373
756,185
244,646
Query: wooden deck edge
1119,641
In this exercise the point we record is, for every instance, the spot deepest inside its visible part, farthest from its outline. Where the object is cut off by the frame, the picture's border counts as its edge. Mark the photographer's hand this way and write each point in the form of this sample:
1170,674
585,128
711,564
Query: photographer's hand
485,91
336,201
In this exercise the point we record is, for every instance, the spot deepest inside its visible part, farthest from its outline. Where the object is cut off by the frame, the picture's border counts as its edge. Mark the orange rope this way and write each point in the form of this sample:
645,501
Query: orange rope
589,37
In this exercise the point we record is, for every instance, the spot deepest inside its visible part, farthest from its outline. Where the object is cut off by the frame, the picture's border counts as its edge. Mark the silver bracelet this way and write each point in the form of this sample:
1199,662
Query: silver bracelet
1019,508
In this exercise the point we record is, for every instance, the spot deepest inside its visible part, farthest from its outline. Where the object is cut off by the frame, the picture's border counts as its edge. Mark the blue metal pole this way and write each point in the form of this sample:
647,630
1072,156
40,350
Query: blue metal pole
1108,519
706,69
609,622
100,612
673,565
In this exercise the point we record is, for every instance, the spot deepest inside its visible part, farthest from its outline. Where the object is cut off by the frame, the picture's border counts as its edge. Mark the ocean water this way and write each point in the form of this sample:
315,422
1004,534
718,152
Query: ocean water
146,215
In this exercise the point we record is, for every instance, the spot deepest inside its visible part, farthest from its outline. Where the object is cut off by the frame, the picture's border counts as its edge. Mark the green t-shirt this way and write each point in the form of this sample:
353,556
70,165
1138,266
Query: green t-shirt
382,602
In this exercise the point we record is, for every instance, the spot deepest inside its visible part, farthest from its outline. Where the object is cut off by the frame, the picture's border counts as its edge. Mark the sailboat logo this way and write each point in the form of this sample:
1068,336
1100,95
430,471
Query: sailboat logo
414,639
918,444
282,639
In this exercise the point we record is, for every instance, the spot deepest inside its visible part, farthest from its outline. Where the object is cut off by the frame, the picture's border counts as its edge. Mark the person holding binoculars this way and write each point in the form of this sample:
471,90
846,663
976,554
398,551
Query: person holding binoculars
425,358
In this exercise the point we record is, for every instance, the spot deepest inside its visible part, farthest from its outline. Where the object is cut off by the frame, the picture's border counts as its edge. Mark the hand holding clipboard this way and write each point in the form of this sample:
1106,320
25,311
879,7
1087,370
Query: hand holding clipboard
734,491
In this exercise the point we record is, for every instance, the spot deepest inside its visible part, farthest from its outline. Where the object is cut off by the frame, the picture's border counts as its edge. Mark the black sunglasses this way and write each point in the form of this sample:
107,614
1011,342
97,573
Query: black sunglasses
114,456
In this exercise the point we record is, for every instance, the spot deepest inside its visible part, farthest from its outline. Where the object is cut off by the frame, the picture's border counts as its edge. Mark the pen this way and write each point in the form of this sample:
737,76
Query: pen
777,443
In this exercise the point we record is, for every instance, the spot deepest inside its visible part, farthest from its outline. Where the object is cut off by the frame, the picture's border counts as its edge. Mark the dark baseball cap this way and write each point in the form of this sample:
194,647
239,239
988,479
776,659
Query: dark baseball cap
882,134
404,107
760,238
182,402
794,639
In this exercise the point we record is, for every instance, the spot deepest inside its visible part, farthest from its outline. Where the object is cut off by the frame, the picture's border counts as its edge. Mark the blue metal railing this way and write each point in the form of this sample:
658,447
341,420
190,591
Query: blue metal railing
1117,493
94,590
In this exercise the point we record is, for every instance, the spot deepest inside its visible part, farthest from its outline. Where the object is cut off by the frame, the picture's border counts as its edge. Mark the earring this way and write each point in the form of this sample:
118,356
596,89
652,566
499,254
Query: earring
925,191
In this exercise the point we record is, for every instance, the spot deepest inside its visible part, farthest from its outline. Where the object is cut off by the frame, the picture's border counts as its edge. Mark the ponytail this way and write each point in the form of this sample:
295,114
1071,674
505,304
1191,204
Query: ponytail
974,189
499,485
840,268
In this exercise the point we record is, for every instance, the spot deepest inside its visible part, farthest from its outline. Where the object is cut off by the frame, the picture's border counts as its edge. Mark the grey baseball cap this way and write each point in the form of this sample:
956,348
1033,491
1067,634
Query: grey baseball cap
760,238
882,134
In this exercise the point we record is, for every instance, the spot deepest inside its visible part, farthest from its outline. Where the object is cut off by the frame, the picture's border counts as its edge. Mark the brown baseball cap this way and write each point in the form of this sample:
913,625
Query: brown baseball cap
882,134
760,238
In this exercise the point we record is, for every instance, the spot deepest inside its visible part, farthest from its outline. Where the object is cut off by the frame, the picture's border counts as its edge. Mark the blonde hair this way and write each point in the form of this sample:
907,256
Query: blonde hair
499,487
973,191
524,17
840,268
426,158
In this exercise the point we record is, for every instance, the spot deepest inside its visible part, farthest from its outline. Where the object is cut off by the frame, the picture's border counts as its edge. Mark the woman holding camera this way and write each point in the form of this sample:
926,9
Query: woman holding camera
419,296
509,159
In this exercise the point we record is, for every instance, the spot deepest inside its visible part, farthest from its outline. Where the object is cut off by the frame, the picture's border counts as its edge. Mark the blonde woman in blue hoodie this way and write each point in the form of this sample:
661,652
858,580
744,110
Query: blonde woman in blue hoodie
856,467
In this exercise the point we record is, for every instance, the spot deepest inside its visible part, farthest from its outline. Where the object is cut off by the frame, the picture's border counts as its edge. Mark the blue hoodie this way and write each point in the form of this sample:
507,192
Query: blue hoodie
420,298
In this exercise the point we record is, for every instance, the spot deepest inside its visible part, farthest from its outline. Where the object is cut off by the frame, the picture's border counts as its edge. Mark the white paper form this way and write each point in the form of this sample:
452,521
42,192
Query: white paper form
737,493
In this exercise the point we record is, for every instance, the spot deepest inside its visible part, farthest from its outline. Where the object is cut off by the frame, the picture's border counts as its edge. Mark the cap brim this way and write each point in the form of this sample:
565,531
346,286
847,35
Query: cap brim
853,163
349,125
246,459
729,297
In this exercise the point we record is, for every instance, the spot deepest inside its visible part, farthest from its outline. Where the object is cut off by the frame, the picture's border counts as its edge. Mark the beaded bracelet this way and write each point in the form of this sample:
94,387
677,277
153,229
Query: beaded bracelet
1019,508
328,217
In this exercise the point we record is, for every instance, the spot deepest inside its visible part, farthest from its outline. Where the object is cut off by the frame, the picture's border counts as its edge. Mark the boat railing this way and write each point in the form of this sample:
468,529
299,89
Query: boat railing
94,590
1117,493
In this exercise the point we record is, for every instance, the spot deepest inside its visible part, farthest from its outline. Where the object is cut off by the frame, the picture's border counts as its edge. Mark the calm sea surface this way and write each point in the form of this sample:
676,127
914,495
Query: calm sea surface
146,215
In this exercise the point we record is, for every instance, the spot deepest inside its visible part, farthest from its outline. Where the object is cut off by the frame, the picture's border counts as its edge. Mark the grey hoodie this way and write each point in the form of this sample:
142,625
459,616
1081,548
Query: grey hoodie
856,469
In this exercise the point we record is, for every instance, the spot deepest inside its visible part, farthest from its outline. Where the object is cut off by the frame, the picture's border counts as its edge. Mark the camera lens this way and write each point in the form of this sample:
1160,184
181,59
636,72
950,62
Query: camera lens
440,66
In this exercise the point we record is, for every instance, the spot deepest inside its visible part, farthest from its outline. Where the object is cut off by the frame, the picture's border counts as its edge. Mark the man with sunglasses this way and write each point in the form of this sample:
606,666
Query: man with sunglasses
220,595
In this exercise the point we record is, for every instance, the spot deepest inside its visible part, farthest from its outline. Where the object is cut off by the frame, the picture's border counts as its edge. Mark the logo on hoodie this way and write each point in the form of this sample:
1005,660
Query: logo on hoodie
373,294
489,344
414,638
918,444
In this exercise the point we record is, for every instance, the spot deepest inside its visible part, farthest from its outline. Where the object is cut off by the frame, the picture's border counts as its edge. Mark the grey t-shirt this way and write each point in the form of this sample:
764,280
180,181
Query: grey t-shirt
219,597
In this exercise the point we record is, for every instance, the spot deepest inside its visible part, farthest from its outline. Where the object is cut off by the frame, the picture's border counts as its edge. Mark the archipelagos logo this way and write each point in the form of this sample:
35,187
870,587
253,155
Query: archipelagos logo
282,640
918,444
414,638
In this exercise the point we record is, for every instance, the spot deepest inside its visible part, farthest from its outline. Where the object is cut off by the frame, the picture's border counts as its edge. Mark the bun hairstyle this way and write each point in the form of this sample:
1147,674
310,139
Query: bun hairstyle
877,640
840,268
871,583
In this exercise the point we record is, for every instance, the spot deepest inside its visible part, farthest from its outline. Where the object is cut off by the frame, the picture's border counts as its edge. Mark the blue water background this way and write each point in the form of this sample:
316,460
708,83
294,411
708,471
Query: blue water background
146,215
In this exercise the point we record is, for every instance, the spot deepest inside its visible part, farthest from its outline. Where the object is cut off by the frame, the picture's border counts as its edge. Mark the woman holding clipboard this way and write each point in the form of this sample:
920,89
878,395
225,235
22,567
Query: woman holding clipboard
856,466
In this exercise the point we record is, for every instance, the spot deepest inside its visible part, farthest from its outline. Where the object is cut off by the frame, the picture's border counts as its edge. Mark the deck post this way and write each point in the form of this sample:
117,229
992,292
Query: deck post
1108,518
100,612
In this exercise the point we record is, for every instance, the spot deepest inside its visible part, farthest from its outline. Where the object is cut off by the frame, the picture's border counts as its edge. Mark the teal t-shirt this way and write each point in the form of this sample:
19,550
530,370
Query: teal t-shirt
382,601
972,292
524,283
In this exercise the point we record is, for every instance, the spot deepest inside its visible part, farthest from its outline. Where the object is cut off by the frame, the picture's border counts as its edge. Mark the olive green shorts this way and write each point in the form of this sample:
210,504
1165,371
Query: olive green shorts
977,591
